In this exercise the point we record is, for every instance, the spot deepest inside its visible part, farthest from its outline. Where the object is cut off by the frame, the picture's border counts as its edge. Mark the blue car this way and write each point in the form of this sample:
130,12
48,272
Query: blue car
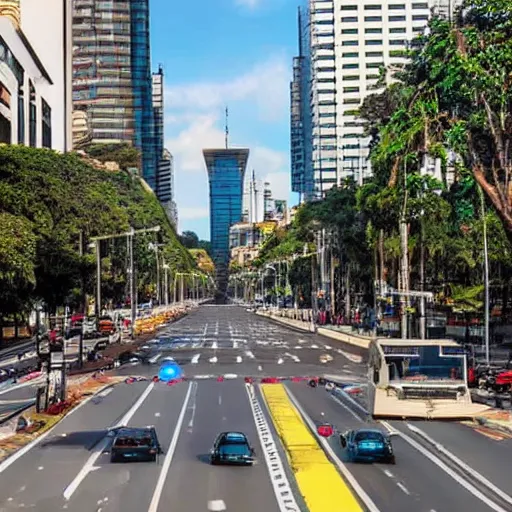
368,445
232,448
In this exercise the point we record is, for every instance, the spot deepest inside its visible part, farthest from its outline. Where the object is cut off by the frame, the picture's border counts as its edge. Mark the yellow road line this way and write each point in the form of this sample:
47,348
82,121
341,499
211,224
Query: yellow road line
322,487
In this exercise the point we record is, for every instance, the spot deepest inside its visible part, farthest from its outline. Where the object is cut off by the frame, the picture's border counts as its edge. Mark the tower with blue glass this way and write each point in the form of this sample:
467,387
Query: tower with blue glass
226,171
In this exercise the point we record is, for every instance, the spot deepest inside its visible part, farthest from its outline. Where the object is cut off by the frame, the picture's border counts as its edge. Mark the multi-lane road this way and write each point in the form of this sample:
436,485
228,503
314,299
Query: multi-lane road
70,469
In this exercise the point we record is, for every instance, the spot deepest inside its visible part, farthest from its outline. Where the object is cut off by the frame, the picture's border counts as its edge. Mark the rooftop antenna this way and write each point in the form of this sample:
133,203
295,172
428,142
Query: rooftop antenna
227,127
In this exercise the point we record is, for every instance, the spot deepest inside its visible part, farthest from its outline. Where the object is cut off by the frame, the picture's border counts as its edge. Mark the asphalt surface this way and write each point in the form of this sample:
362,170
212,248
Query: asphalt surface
70,469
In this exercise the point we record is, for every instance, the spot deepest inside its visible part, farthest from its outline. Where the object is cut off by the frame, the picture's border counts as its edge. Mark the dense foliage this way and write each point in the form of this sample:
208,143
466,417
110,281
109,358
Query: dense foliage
50,207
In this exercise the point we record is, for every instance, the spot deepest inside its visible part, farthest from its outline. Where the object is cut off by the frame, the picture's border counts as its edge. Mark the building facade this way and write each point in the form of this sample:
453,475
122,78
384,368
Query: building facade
27,102
54,47
112,75
226,171
344,47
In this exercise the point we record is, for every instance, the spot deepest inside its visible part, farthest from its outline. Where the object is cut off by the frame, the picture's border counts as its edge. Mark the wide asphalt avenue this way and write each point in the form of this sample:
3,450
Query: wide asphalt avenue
70,468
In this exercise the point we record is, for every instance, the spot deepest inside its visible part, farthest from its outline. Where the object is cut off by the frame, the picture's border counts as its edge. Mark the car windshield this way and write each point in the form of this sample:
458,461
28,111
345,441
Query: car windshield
369,436
234,449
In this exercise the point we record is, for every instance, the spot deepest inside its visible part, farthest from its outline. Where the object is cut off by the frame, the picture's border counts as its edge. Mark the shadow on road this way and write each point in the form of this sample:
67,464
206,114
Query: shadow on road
87,439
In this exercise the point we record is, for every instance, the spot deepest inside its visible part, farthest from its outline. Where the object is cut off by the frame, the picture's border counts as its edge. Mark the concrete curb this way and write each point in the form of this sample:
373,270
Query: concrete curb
351,339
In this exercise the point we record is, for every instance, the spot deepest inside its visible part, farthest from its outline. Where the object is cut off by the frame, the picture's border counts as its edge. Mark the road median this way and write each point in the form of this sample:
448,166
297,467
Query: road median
319,482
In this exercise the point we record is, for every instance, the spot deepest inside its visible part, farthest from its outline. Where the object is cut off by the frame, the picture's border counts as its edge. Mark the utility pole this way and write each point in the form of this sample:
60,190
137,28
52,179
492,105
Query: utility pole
133,306
84,302
98,283
404,246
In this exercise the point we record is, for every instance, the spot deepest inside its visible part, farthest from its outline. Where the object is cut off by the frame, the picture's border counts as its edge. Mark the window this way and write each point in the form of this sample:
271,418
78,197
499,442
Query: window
324,57
397,30
21,116
351,135
349,43
420,6
370,19
351,101
325,46
396,18
420,17
349,31
396,7
397,42
350,78
374,54
355,65
348,8
349,19
372,77
350,113
32,116
418,29
373,31
373,42
374,65
350,89
350,55
373,7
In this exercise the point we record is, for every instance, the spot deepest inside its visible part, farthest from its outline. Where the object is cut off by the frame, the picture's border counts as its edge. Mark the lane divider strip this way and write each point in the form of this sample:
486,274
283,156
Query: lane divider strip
319,482
281,485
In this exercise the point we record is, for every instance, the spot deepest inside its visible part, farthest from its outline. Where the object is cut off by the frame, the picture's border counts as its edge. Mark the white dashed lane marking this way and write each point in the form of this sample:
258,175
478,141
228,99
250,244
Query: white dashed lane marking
216,505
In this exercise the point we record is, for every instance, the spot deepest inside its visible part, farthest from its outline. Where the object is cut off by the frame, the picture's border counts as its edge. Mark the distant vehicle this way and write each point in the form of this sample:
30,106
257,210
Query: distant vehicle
368,445
232,448
135,444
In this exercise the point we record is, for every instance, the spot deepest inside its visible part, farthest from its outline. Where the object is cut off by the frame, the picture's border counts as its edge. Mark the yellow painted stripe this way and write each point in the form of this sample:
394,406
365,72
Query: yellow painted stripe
322,487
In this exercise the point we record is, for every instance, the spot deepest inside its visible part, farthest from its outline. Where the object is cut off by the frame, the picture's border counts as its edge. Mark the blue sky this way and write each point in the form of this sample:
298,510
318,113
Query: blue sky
217,53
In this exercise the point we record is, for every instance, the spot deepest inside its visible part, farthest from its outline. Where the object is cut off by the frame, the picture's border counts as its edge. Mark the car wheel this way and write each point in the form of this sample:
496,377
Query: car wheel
392,460
114,458
213,461
153,458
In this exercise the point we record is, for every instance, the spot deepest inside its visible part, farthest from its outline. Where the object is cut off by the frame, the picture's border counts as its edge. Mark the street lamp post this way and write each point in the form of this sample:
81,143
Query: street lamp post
166,278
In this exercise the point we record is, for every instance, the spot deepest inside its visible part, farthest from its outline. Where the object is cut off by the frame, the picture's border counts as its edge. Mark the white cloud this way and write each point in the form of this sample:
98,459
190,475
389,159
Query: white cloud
200,132
266,85
249,3
189,213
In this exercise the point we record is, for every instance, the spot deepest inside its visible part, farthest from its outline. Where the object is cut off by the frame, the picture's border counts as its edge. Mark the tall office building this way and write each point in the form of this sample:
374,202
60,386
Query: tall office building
158,112
226,170
343,46
164,159
165,191
112,84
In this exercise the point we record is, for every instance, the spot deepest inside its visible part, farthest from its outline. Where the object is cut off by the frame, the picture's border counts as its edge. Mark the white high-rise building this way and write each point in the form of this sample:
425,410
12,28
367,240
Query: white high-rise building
345,46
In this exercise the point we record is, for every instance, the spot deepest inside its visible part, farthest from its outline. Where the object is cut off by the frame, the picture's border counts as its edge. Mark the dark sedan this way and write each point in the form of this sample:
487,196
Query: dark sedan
135,444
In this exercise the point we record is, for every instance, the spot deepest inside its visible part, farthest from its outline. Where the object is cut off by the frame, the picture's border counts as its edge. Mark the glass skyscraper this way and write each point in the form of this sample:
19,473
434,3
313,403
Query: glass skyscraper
226,170
112,83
